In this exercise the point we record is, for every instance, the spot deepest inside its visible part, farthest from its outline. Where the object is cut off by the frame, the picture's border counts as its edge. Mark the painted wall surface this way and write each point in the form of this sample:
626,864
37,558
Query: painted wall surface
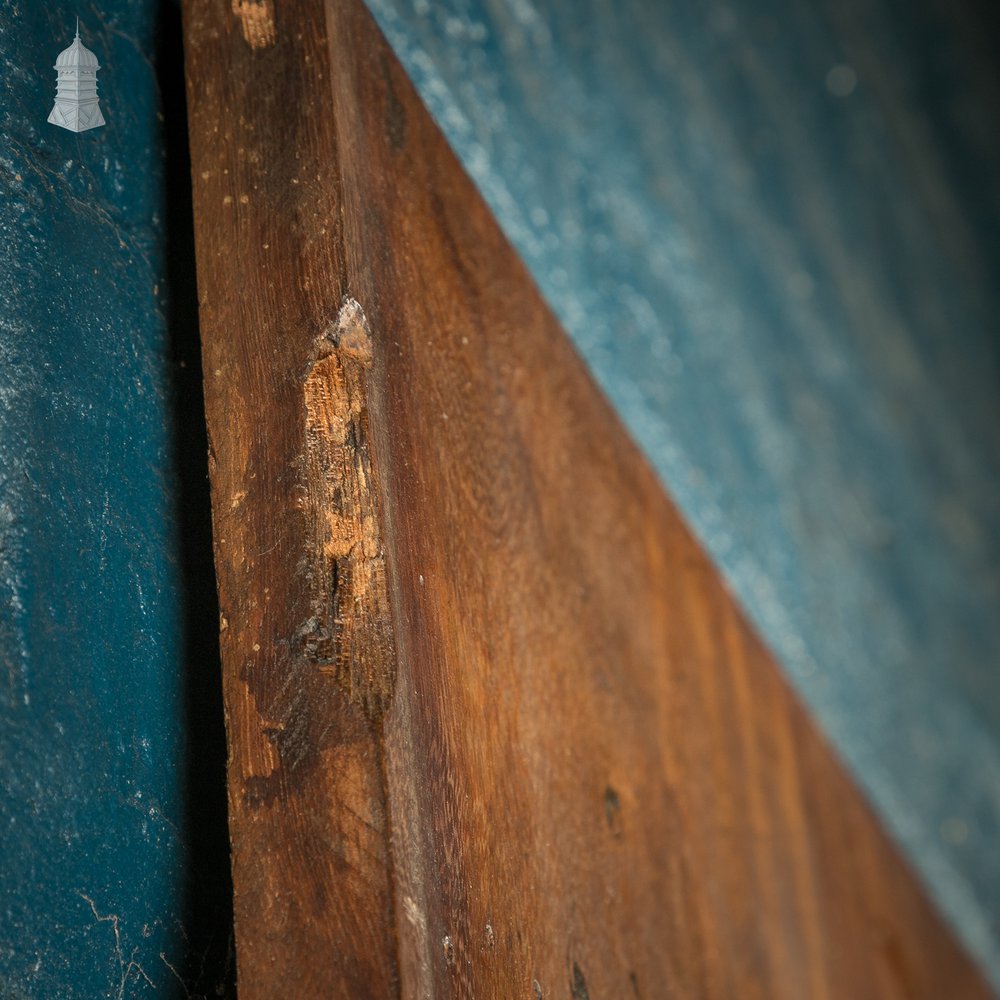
773,230
112,817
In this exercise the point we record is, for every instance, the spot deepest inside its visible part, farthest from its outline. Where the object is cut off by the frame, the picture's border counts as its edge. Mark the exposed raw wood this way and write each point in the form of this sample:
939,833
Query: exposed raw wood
349,633
549,758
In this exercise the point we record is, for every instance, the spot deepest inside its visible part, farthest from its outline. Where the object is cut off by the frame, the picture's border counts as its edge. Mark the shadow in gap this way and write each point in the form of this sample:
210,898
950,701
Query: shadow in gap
209,968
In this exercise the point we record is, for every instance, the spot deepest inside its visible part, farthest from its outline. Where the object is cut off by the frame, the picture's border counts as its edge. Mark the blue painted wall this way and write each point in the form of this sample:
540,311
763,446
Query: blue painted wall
772,229
112,821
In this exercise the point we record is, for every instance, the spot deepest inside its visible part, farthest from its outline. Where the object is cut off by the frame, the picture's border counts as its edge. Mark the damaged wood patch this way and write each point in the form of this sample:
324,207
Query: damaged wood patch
257,20
349,634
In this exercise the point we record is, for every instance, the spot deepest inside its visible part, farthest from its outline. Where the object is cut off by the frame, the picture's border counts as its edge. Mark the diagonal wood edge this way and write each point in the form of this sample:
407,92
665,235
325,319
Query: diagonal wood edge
584,776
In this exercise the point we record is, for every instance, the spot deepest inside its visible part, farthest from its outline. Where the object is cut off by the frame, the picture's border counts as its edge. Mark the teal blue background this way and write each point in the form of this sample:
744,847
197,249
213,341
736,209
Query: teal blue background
114,875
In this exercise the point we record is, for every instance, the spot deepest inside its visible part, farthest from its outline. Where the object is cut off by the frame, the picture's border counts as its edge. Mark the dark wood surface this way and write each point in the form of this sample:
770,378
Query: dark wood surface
496,728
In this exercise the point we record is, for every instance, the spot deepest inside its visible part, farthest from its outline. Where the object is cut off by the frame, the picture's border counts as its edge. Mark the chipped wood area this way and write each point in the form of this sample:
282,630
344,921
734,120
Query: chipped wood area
349,633
257,21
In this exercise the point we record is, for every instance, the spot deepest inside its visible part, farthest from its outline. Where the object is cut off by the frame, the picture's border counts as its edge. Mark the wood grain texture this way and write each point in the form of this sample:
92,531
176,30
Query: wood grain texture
349,634
582,776
790,297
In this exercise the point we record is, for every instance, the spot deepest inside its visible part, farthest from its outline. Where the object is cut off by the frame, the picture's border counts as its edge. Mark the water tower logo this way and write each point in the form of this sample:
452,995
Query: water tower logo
77,106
